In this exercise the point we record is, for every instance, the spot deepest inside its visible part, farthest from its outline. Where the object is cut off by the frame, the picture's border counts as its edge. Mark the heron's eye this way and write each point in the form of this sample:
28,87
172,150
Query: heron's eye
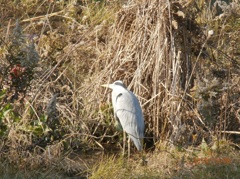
120,83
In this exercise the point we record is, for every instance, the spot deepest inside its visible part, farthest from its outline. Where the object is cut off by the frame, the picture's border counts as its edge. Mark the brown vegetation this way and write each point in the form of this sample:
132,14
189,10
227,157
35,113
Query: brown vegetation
181,59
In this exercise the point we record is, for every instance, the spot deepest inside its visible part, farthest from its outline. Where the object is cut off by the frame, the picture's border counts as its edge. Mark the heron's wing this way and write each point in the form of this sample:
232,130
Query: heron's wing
128,111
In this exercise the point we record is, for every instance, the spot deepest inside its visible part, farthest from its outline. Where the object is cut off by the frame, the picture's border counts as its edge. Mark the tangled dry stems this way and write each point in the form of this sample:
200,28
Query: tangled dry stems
151,48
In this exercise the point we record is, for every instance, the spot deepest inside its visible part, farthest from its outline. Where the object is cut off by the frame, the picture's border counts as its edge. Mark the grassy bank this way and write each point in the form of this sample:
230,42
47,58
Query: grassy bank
181,59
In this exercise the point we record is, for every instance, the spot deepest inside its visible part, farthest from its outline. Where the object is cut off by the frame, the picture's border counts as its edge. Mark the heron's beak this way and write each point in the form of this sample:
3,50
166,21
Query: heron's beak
108,86
105,85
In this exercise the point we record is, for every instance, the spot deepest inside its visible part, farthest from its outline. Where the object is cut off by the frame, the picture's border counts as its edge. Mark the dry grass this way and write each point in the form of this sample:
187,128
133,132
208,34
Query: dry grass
186,79
163,65
165,163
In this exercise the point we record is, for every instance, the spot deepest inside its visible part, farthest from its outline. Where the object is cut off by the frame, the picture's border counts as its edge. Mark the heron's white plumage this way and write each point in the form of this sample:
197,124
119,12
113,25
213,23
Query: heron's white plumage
128,111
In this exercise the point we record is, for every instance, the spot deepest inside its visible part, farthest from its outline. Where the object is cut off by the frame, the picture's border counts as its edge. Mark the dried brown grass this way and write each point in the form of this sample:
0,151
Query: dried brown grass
30,143
156,48
142,53
137,53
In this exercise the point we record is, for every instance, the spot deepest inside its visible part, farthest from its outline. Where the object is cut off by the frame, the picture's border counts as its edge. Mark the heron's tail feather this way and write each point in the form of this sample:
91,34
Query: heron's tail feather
137,142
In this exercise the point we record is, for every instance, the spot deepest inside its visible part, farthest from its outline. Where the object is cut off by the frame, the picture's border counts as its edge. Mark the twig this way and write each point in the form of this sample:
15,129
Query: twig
230,132
43,16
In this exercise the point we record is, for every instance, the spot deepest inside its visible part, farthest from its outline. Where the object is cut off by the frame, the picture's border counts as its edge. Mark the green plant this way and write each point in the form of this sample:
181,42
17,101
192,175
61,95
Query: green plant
7,115
20,60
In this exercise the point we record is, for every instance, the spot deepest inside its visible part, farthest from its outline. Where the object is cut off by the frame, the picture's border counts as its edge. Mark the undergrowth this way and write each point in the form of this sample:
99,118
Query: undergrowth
181,59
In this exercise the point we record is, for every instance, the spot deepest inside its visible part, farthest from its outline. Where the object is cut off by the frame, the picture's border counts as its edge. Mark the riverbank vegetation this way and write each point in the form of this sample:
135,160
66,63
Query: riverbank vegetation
181,59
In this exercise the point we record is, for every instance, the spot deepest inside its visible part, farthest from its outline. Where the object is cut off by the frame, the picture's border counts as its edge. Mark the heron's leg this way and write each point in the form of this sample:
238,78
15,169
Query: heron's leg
144,162
129,147
124,142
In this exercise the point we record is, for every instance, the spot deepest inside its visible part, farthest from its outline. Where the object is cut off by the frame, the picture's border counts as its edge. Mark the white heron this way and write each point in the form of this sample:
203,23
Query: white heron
128,112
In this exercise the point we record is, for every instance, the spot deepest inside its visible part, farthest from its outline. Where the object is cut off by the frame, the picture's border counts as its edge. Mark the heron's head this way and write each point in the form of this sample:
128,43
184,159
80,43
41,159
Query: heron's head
116,83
